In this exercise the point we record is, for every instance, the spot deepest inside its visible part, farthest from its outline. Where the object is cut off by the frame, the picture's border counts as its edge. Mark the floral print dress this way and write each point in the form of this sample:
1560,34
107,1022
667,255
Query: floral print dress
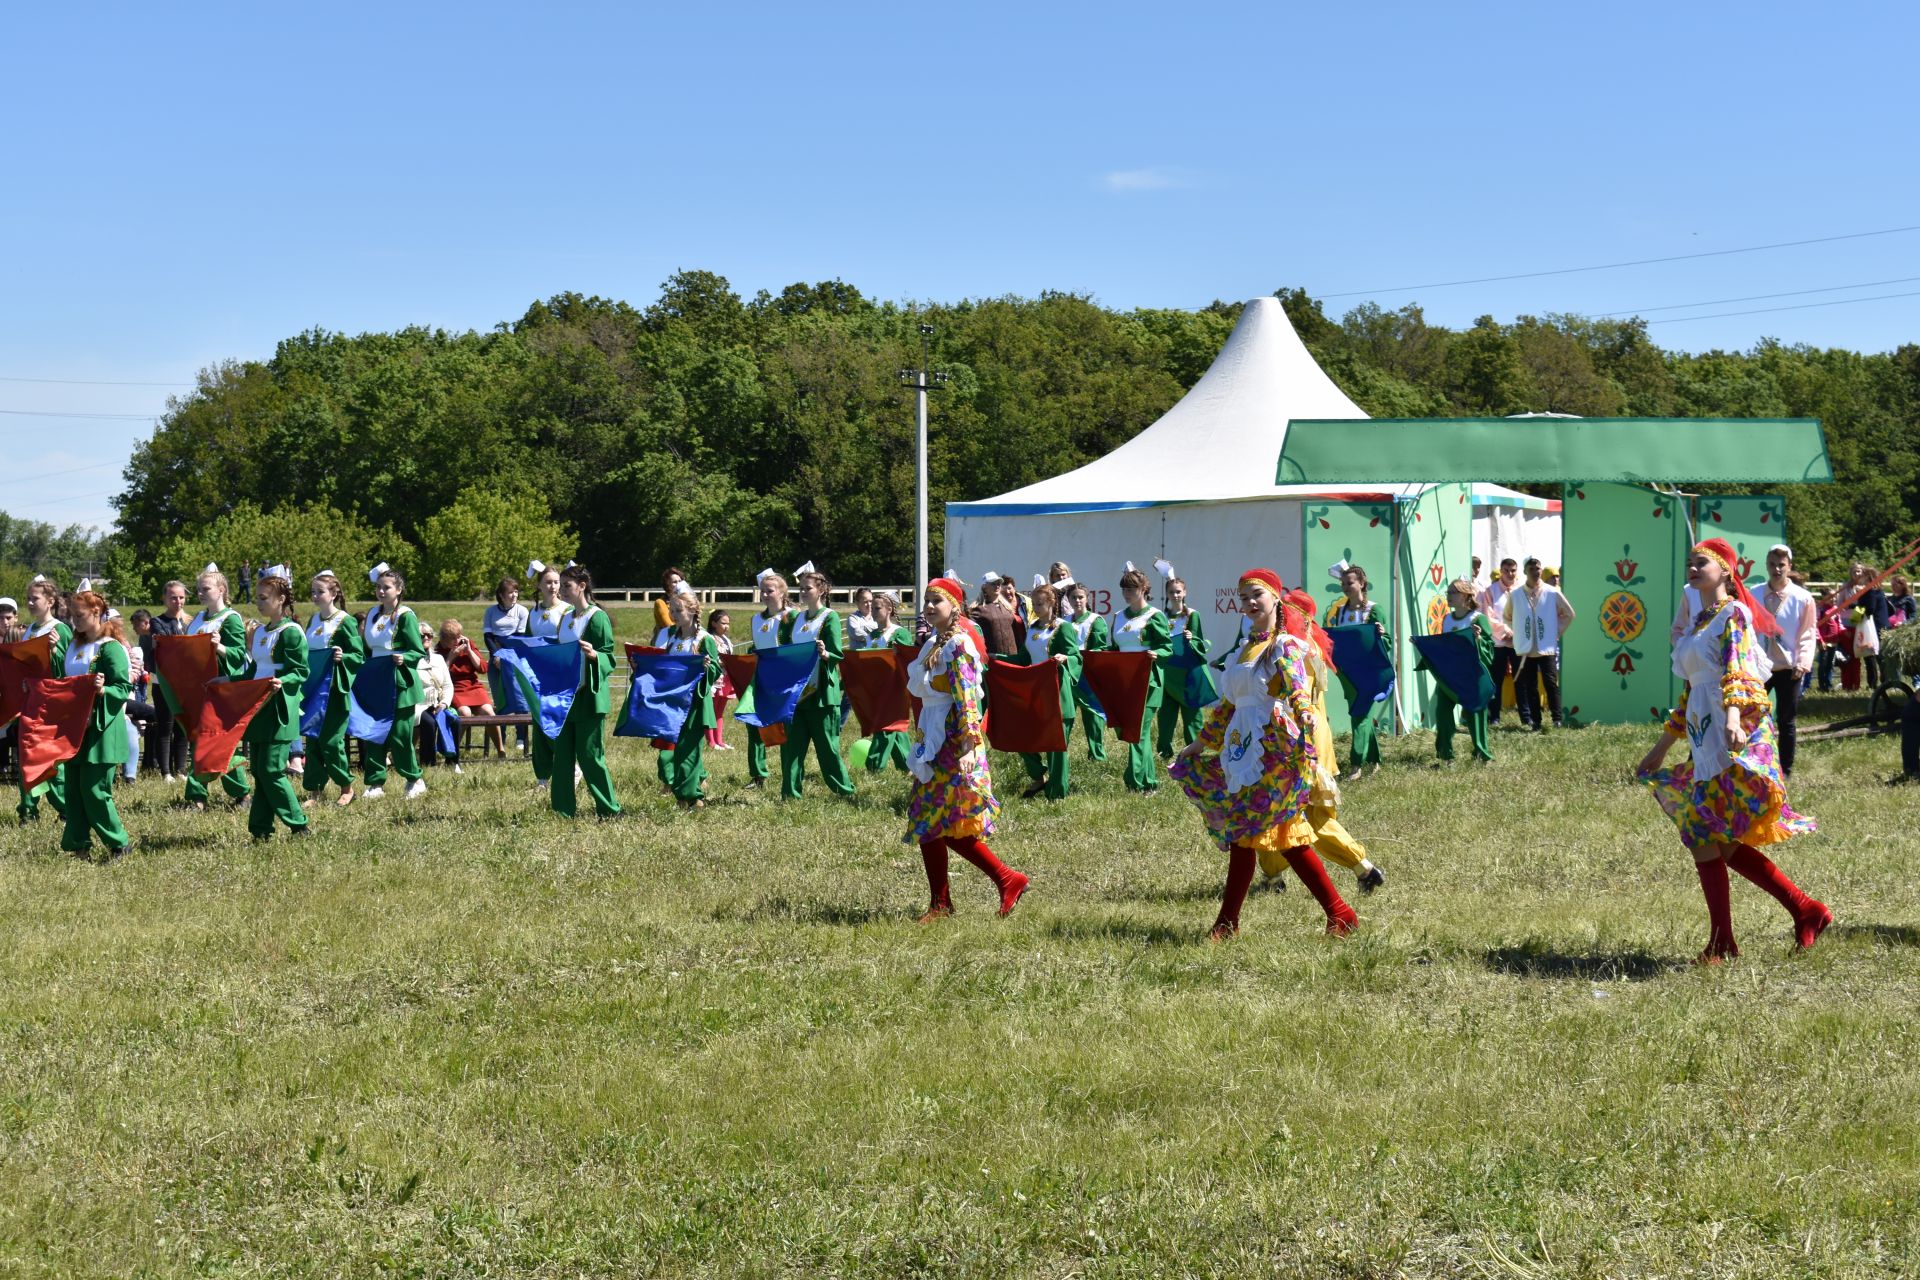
1253,776
946,799
1718,796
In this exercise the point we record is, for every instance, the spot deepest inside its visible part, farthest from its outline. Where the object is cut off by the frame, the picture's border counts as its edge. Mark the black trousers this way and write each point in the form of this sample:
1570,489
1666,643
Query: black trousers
166,745
1505,663
1785,688
1910,739
1535,671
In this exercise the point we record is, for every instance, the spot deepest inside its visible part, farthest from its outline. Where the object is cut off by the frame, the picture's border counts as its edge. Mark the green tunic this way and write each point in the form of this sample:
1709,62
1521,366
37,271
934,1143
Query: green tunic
1153,635
816,721
885,748
582,739
54,788
1367,728
1052,769
1095,637
229,632
274,729
327,752
683,766
90,808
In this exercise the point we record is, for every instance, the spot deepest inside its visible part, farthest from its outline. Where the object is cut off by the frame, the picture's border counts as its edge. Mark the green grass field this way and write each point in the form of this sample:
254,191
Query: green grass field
459,1037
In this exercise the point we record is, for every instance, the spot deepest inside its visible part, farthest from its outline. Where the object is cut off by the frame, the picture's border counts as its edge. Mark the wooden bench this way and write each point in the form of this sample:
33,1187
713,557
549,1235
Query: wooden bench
511,720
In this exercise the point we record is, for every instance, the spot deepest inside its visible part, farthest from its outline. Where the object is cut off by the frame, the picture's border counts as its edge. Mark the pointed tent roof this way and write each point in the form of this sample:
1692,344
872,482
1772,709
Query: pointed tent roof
1221,440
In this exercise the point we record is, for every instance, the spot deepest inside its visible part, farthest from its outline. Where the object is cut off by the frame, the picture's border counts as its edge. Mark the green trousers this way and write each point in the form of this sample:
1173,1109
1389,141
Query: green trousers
273,793
90,809
54,790
233,782
1052,768
1444,711
1366,733
887,749
817,726
1175,714
684,769
1096,727
756,755
540,750
582,741
400,746
1143,767
327,759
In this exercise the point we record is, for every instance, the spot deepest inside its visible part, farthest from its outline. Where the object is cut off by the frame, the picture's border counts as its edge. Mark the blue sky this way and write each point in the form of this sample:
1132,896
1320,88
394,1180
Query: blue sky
186,184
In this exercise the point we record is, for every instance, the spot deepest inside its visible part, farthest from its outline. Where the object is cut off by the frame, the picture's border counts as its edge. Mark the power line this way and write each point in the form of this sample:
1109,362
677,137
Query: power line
53,413
89,382
1756,297
1613,266
48,475
1760,311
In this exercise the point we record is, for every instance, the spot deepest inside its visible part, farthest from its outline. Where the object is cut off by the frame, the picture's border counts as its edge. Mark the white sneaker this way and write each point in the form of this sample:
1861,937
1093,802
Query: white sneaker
373,793
578,777
416,788
456,769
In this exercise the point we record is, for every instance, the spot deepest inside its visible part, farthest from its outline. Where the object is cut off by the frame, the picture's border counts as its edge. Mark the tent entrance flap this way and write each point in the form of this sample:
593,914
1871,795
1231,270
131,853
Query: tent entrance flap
1555,450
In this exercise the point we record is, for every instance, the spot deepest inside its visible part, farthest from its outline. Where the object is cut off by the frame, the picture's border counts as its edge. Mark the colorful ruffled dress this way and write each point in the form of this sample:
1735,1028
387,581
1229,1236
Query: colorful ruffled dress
1253,778
1718,797
945,799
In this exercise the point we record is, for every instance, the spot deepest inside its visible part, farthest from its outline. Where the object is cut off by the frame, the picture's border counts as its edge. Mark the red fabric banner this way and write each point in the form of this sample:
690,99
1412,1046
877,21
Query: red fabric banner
635,650
1023,708
184,665
1120,681
52,725
876,683
224,715
739,668
22,663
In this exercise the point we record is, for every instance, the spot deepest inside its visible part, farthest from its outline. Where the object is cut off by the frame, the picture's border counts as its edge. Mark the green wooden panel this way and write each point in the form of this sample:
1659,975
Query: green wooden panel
1751,522
1623,550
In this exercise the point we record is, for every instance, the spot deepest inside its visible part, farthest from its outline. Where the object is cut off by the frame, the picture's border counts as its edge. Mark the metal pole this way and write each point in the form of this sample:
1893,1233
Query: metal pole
920,487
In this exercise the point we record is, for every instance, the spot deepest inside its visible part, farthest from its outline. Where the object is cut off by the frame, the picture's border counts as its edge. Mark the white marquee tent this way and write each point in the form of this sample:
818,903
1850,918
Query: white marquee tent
1197,487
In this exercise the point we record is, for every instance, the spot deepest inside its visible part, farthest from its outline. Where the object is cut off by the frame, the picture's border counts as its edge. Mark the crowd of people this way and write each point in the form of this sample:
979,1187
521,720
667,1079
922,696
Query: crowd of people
1240,723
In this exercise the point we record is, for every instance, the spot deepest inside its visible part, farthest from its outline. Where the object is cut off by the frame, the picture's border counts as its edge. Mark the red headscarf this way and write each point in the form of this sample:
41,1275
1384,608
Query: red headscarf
1302,625
957,595
1266,578
1721,551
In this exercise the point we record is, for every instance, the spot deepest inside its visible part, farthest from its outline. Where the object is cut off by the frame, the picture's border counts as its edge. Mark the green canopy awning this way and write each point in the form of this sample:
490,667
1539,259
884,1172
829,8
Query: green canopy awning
1552,450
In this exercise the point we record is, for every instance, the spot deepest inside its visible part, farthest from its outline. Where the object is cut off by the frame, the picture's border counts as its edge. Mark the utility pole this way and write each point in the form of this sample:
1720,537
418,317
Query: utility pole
922,380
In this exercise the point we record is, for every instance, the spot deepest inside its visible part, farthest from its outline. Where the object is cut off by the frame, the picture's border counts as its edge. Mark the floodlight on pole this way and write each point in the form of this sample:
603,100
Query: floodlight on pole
922,380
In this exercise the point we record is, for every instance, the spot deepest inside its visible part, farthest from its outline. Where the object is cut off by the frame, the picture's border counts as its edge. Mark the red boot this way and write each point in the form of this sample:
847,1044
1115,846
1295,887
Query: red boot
1810,917
1713,885
933,856
1313,873
1241,863
1009,882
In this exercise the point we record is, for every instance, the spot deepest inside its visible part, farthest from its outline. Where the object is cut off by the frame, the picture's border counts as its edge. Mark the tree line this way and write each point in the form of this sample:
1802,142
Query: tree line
722,433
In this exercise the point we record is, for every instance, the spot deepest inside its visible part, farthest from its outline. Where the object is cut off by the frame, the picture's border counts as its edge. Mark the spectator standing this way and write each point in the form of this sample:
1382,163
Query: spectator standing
1792,653
1493,603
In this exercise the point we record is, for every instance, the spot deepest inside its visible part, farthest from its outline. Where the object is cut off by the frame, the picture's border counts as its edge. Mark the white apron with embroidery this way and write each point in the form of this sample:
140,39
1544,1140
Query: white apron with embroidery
80,657
1696,659
260,649
320,630
1130,634
806,631
1245,685
935,660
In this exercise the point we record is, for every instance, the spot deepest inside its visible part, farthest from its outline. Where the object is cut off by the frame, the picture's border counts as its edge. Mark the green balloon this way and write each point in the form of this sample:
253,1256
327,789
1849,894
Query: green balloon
857,754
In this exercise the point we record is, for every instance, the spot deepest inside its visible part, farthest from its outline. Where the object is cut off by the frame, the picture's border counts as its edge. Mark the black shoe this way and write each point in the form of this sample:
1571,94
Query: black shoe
1034,790
1373,879
301,832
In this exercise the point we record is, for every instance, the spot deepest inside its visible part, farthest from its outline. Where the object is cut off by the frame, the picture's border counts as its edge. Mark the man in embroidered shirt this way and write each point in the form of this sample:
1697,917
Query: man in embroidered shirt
1493,601
1793,650
1537,615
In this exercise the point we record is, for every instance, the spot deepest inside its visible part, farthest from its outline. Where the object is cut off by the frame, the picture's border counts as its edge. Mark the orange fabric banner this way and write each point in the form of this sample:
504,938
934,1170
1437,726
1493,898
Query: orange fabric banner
224,715
1120,681
1023,708
876,684
52,725
22,663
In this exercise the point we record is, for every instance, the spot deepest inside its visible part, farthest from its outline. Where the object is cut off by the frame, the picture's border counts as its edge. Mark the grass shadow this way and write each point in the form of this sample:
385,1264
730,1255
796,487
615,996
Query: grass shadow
1136,932
781,910
1892,935
1541,962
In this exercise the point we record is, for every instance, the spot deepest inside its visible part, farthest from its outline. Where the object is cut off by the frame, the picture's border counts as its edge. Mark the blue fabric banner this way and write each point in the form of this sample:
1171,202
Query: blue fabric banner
1454,659
778,681
1366,669
446,725
549,675
661,697
515,701
371,702
317,692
